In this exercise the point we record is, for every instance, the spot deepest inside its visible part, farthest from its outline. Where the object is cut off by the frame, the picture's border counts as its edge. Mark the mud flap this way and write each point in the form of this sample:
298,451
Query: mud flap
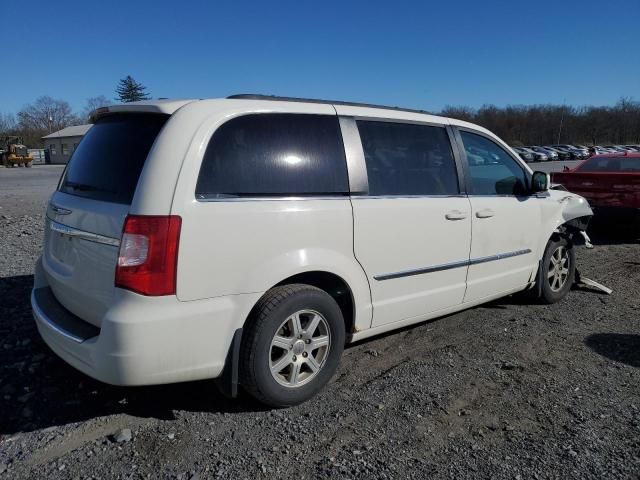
539,280
227,383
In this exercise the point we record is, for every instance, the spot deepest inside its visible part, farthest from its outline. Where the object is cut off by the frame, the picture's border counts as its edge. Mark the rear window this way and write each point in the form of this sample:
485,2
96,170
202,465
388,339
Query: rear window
611,164
108,161
274,155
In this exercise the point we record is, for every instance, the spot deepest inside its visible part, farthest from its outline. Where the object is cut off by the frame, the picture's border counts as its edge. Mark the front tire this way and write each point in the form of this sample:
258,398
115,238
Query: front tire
558,270
292,345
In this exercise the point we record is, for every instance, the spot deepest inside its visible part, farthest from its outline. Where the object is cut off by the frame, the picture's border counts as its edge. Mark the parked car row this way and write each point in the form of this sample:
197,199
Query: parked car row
606,149
570,152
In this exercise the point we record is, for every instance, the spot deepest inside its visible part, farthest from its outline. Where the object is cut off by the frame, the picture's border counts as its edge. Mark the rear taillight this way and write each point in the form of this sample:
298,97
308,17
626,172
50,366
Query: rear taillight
148,259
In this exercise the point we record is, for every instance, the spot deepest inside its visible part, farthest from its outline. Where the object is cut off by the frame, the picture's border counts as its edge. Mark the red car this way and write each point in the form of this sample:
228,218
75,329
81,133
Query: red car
611,183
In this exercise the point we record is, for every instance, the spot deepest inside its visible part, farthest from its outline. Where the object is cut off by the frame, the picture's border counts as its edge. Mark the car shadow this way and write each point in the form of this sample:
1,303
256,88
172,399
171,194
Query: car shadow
39,390
521,298
610,232
623,348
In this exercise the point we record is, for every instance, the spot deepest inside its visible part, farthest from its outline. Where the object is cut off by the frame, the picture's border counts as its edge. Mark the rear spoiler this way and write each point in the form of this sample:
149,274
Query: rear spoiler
167,107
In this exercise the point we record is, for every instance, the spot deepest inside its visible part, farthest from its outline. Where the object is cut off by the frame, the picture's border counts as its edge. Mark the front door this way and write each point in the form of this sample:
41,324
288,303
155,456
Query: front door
412,230
505,220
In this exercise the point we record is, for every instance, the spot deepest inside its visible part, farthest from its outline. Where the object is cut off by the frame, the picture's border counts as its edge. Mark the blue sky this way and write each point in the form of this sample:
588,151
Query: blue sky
415,54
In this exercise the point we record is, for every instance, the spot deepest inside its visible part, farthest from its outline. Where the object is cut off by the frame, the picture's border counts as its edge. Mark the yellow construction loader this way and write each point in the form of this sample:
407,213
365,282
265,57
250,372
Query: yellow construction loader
15,153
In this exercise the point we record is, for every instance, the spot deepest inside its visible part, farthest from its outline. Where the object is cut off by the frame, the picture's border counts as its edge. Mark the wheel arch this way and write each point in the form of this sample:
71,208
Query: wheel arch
571,230
331,283
334,285
325,269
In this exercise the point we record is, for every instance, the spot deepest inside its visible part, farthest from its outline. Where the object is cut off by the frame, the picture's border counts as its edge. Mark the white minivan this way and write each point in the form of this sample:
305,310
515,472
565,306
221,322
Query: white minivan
249,238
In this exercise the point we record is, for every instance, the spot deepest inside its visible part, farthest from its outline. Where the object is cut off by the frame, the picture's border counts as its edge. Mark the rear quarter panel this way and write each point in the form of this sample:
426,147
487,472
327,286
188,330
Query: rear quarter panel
231,247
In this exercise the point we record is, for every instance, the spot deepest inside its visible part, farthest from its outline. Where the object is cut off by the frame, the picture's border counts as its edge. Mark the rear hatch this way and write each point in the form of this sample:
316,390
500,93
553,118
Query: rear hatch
86,214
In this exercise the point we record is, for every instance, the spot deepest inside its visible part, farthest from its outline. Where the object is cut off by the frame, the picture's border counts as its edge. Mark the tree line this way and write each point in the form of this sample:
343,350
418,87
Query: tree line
46,114
557,124
516,124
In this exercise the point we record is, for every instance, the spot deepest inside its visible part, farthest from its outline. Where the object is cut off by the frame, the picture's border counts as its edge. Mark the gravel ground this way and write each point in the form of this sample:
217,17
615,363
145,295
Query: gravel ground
509,390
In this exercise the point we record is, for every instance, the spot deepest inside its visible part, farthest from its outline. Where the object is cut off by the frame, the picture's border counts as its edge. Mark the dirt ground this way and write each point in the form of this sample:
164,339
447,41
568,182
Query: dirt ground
509,390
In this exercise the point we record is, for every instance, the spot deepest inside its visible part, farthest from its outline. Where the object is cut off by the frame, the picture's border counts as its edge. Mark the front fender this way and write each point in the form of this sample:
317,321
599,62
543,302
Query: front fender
564,213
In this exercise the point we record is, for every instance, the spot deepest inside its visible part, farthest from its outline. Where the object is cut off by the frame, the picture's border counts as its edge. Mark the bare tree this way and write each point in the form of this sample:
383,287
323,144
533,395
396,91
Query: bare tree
94,103
461,113
7,123
544,124
44,116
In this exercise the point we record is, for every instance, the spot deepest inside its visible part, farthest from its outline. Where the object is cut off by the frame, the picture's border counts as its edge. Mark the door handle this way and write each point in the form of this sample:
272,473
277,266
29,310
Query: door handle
455,215
485,213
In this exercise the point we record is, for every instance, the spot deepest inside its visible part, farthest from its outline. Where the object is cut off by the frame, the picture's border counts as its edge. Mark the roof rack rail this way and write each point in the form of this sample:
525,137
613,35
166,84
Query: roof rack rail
254,96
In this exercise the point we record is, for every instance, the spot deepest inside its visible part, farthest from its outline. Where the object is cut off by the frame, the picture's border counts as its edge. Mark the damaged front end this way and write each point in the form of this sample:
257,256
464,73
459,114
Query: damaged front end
573,216
576,231
569,217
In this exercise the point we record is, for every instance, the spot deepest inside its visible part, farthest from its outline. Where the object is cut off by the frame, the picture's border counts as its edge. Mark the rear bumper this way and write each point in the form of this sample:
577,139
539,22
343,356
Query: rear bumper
144,340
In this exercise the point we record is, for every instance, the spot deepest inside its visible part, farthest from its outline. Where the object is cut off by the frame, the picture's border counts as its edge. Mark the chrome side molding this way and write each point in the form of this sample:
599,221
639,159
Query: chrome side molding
449,266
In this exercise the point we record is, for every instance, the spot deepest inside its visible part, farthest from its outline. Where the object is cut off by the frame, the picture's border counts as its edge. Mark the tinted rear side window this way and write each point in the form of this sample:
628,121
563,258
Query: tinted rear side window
108,161
274,154
407,159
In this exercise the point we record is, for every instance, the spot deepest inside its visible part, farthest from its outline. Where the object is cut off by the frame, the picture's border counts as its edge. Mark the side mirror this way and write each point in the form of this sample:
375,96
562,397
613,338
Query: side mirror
540,182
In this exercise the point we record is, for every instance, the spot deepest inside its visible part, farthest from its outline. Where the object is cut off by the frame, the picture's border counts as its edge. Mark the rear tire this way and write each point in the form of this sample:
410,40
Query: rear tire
292,345
558,270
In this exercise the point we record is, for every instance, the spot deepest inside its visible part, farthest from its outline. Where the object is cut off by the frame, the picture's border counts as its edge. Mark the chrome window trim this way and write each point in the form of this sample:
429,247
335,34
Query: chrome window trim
374,197
81,234
354,154
504,195
451,265
324,197
267,198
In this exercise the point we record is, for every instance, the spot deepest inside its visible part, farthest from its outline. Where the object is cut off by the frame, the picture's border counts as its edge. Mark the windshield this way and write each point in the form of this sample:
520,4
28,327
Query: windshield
108,161
611,164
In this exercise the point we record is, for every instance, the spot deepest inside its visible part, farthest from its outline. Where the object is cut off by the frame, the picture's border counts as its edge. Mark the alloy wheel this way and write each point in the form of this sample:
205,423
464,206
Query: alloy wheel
299,348
558,268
